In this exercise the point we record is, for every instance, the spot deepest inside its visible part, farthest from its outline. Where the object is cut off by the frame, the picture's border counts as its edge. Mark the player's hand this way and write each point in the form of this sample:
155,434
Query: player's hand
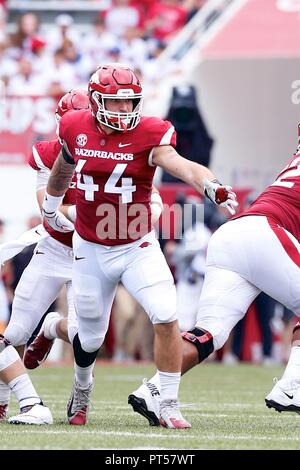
221,195
58,221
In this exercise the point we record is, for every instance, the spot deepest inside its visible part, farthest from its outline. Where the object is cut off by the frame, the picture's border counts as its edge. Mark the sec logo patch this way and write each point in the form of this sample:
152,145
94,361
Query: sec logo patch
81,140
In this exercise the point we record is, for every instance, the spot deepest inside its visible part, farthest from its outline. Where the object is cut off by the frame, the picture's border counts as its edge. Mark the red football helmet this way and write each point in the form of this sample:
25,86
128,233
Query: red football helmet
73,100
115,81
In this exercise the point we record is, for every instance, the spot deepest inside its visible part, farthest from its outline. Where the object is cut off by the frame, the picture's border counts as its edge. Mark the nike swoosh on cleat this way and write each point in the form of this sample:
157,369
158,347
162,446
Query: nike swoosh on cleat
289,396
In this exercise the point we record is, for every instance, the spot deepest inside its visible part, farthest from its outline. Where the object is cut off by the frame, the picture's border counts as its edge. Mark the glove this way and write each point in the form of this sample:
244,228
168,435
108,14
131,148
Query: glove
58,221
221,195
53,216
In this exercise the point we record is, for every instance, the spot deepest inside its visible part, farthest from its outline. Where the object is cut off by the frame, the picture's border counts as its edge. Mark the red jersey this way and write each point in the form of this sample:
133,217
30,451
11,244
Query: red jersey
114,175
281,200
43,156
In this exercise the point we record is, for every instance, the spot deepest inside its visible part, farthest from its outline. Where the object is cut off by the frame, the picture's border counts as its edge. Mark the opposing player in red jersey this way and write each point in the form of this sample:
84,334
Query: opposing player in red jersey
114,152
258,250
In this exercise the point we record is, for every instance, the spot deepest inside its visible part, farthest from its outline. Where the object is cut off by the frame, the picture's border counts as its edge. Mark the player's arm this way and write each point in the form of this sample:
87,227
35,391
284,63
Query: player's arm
58,183
42,177
196,175
68,210
156,205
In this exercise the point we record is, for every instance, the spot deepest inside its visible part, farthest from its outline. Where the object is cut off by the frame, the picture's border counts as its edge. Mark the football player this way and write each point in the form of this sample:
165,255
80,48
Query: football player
114,152
51,265
256,251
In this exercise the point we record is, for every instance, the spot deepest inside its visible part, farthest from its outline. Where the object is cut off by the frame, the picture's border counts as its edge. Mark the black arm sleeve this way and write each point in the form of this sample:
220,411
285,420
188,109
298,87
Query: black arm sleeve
67,157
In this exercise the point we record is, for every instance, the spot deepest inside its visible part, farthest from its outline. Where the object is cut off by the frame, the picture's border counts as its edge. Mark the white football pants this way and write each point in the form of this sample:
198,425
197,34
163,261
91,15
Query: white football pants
48,271
97,270
246,256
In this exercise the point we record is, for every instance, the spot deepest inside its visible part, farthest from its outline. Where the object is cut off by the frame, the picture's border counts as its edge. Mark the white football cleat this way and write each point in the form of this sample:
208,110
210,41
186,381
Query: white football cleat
145,401
285,395
171,417
37,414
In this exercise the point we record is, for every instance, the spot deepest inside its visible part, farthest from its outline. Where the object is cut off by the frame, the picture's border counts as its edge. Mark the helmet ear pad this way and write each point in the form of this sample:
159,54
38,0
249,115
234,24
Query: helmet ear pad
115,81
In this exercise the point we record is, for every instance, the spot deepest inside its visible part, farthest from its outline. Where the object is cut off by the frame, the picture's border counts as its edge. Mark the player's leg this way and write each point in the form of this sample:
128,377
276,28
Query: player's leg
37,289
285,395
93,297
188,295
149,280
55,326
224,300
13,374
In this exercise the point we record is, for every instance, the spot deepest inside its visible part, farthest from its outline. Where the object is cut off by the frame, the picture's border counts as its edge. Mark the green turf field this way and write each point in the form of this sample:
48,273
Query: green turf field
224,404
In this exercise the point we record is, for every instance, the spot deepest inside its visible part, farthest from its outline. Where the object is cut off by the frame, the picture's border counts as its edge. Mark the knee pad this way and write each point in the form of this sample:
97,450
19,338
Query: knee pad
163,306
16,334
8,356
187,322
202,340
90,345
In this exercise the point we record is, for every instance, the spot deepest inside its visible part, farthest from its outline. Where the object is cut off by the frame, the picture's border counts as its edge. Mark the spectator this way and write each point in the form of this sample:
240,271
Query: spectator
59,75
81,64
165,19
27,27
133,49
26,81
8,66
98,42
63,31
121,16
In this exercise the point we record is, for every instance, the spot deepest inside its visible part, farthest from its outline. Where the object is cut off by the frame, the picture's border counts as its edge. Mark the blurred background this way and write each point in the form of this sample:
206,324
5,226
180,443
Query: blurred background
225,72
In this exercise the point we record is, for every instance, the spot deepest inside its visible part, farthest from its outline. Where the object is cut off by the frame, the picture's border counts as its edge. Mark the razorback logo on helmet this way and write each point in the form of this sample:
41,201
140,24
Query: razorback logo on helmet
115,81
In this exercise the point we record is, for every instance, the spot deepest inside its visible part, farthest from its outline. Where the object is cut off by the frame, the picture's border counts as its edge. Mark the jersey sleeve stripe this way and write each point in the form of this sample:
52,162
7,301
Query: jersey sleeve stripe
167,137
165,140
38,160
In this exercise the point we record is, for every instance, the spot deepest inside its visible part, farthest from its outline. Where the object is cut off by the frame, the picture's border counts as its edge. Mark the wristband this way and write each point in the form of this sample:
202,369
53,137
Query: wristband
51,203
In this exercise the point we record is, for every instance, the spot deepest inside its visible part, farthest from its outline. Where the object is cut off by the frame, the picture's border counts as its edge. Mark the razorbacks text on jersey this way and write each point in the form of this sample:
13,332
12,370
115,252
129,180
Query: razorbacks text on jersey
42,157
281,200
114,175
